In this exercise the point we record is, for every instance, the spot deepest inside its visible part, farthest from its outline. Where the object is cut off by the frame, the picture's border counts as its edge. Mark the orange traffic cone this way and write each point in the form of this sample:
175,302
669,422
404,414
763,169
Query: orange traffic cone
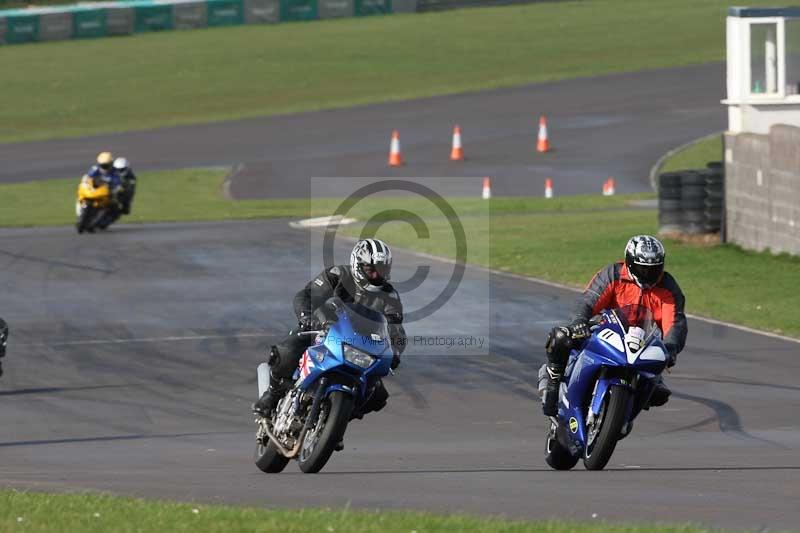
543,144
487,189
457,153
395,159
608,187
548,188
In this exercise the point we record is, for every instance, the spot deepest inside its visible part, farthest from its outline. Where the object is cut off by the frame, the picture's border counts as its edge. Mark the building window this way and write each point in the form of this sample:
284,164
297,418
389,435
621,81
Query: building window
792,29
764,58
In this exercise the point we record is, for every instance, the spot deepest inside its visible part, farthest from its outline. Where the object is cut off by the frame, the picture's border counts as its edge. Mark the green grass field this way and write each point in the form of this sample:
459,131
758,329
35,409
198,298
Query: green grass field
565,239
80,87
87,513
695,155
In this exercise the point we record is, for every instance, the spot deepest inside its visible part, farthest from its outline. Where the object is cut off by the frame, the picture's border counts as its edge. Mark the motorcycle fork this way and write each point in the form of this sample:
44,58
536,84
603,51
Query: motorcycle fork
627,378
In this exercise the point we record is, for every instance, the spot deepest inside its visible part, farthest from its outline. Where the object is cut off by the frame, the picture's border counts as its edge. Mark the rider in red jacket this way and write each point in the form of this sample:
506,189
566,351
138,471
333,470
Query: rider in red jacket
639,280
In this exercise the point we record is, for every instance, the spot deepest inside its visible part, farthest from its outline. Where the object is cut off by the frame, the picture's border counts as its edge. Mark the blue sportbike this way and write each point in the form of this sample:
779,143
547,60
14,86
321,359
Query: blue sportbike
333,383
606,385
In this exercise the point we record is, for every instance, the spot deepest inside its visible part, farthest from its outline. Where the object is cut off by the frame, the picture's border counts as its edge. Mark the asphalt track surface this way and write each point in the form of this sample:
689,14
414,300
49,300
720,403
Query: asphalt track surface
616,125
132,366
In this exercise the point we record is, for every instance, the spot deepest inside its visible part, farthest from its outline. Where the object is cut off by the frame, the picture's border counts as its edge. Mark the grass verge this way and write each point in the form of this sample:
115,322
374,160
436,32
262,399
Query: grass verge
86,87
27,511
565,239
695,156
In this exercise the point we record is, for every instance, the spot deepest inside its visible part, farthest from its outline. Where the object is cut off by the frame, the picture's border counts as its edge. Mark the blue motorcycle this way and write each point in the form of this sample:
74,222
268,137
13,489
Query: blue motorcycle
606,385
333,384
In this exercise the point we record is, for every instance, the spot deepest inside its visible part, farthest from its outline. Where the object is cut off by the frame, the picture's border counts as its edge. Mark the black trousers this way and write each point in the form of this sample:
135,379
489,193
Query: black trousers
285,355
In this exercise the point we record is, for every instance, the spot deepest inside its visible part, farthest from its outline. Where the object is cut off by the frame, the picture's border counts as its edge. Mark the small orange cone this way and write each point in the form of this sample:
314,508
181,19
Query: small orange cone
543,144
608,187
395,159
487,189
548,188
457,153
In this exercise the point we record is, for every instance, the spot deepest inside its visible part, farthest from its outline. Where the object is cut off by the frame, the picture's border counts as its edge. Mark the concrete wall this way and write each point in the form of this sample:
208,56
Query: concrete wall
762,189
758,118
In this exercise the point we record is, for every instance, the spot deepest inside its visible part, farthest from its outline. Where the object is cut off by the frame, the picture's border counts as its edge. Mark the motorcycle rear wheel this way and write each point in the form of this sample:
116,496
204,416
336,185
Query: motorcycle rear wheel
328,430
610,421
555,455
268,459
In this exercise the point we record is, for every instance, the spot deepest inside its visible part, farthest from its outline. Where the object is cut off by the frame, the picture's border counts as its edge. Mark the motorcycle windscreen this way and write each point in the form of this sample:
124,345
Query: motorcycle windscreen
636,316
366,321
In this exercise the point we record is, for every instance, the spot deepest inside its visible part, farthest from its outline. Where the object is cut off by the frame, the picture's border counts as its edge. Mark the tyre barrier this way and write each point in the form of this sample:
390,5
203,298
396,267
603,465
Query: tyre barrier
692,201
670,212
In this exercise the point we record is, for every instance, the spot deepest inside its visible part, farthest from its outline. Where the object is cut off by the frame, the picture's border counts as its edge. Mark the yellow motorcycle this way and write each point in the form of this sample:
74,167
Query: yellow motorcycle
93,204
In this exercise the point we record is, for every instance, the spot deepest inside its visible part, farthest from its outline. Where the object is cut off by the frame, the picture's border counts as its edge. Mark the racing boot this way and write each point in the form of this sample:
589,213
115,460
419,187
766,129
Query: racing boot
549,382
660,395
269,400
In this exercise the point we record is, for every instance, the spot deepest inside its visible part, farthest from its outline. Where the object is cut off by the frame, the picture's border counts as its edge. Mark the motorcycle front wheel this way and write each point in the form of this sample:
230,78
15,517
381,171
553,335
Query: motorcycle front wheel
85,217
603,435
326,432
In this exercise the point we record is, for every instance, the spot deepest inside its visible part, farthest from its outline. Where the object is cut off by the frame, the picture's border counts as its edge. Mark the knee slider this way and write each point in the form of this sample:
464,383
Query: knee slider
274,356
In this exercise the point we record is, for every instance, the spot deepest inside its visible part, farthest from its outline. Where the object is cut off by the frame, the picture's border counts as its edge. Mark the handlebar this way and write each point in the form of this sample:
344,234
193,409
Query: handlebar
312,332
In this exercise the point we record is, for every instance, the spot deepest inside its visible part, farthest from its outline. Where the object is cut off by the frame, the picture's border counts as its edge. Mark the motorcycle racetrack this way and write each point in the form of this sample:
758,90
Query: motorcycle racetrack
131,366
148,394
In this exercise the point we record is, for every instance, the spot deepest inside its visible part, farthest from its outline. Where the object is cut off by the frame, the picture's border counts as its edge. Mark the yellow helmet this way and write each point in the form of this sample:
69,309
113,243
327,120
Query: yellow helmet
105,160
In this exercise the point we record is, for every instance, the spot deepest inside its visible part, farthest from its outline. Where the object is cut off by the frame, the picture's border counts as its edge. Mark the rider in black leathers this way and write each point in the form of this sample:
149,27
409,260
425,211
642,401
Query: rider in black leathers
363,281
3,340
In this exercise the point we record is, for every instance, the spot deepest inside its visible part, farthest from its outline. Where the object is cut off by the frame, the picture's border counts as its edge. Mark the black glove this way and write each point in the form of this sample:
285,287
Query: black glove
395,360
672,356
308,322
579,329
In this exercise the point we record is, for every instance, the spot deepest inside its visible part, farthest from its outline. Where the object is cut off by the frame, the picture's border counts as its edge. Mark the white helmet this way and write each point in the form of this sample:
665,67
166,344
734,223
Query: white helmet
371,263
120,163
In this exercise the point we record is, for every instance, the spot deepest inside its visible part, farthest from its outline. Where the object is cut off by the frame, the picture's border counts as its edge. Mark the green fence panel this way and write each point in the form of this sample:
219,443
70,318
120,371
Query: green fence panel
262,11
225,12
2,30
120,20
190,15
373,7
153,18
298,10
329,9
22,29
89,23
55,26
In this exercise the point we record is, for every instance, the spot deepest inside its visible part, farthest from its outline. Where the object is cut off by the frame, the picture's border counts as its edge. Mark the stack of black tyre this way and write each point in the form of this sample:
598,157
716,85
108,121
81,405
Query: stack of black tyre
690,201
670,213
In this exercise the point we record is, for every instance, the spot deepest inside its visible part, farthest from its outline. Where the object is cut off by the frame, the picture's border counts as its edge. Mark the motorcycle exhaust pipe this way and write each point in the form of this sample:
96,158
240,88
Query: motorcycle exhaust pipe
263,378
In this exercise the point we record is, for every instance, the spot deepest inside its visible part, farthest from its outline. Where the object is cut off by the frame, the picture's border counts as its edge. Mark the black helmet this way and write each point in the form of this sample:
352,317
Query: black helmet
371,263
644,257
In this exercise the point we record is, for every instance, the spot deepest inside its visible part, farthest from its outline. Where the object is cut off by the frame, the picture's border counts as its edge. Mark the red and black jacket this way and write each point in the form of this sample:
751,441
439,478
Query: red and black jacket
613,287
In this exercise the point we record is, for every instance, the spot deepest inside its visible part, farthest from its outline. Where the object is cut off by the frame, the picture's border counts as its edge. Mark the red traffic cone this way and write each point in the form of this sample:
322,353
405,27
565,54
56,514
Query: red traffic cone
543,143
487,189
457,153
608,187
395,159
548,188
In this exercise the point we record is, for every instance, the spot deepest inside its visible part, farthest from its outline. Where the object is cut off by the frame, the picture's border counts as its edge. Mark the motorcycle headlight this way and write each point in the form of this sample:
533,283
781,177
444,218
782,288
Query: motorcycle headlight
356,356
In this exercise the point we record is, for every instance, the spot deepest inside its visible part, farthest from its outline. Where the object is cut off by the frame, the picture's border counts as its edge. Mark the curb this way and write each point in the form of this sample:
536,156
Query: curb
656,168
